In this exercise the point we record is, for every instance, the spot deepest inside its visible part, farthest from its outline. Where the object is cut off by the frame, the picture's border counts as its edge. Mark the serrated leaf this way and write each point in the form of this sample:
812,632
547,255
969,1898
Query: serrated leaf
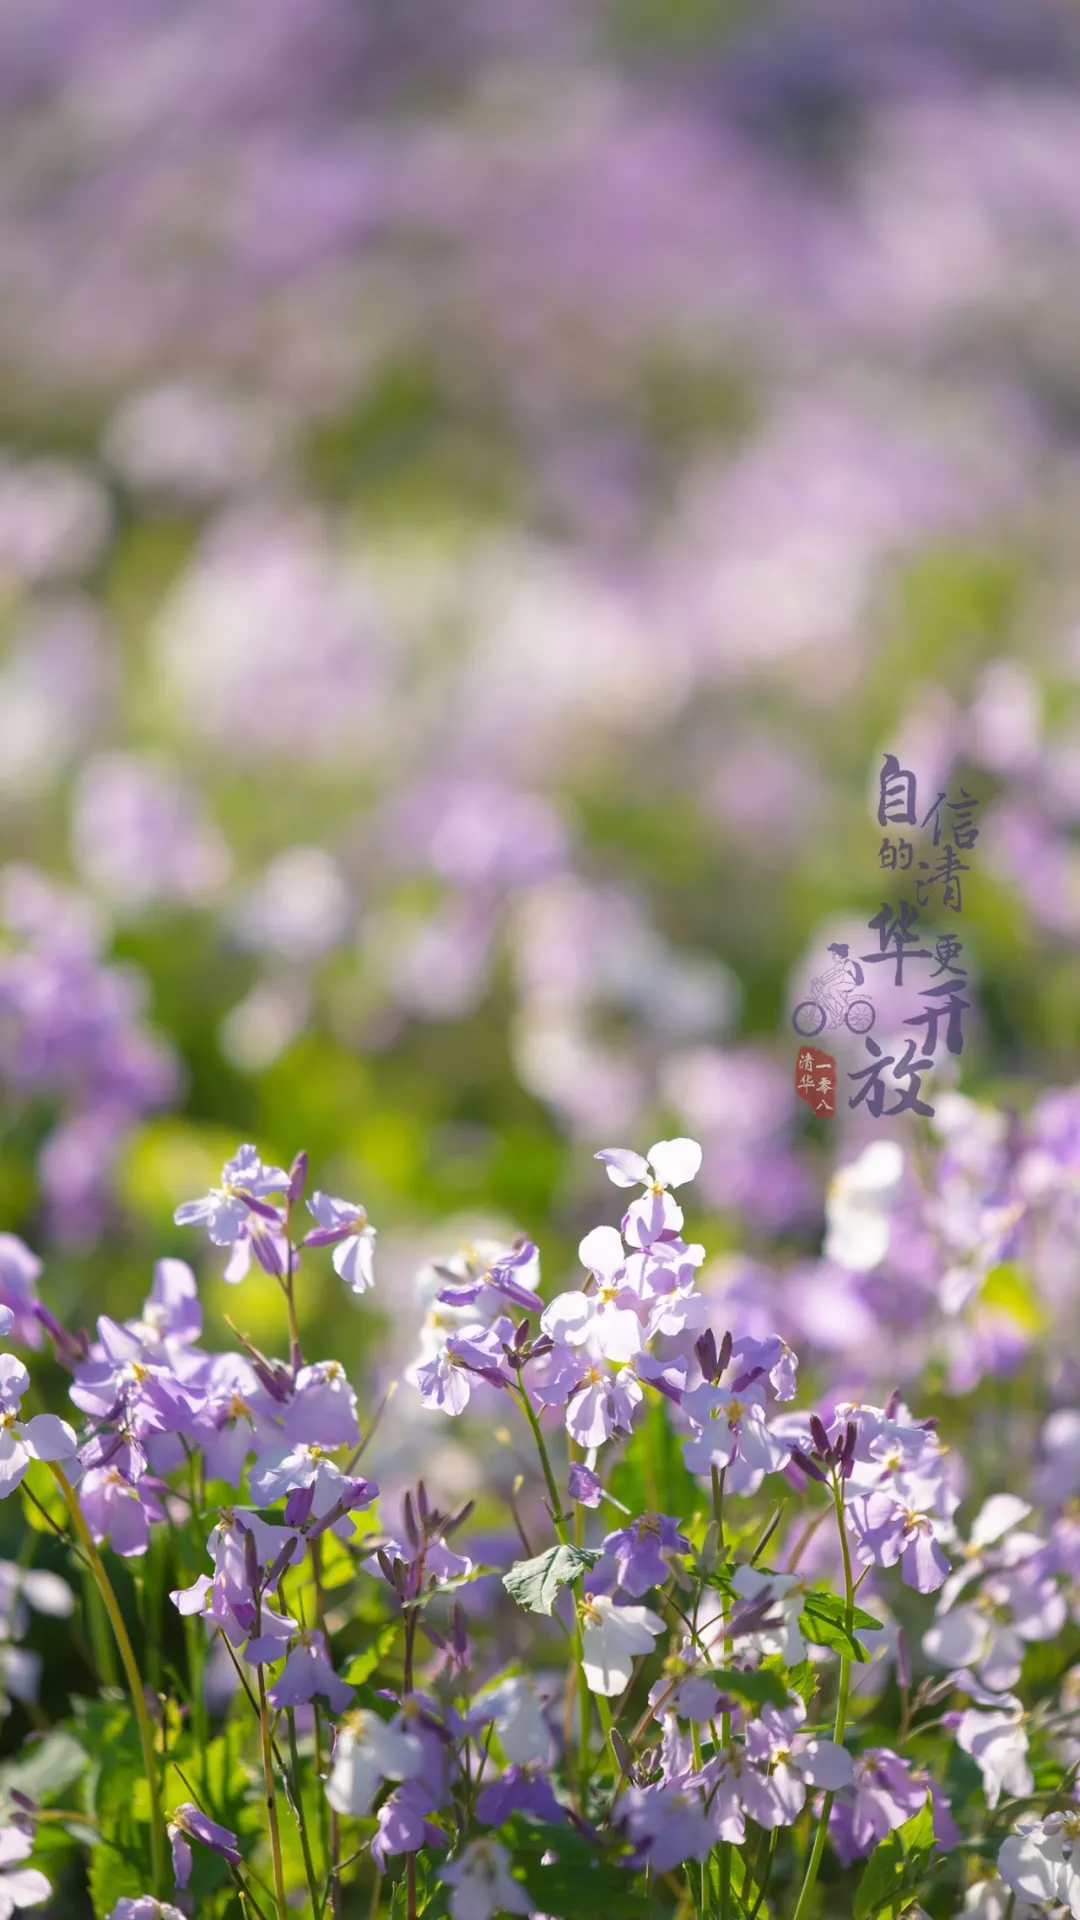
803,1680
882,1881
893,1869
761,1688
537,1583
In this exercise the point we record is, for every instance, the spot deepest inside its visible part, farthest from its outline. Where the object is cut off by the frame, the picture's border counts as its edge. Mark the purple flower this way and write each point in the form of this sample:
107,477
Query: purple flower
403,1826
887,1528
322,1411
583,1485
784,1761
1039,1860
513,1274
145,1908
732,1434
188,1821
285,1469
598,1402
515,1708
124,1379
668,1824
520,1790
119,1501
226,1209
42,1438
344,1226
447,1381
607,1318
20,1271
307,1672
883,1794
638,1551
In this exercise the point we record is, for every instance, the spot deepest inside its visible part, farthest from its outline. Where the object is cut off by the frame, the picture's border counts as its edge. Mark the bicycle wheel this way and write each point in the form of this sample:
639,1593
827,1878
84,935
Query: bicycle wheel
860,1016
808,1018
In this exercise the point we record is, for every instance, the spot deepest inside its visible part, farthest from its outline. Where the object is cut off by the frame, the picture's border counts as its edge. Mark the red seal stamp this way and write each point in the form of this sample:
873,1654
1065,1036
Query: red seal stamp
815,1081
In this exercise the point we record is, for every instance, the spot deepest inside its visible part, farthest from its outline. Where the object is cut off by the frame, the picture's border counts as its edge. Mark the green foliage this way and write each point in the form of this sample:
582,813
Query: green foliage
891,1877
576,1882
537,1583
823,1621
762,1688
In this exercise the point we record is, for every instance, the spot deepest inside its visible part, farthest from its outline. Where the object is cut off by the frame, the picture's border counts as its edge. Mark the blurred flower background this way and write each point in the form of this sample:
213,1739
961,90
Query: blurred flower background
478,496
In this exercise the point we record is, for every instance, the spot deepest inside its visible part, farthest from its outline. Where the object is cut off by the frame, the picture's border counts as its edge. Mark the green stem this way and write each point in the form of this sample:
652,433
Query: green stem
584,1697
131,1669
553,1492
818,1847
298,1798
271,1800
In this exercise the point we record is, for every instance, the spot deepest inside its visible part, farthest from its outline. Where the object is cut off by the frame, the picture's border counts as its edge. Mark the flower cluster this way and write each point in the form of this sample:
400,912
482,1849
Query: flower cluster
354,1700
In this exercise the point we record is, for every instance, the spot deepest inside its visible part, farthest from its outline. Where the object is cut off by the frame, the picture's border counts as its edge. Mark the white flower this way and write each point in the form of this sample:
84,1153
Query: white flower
19,1886
858,1206
611,1637
515,1707
670,1163
1038,1860
45,1437
787,1602
483,1884
998,1744
366,1752
992,1900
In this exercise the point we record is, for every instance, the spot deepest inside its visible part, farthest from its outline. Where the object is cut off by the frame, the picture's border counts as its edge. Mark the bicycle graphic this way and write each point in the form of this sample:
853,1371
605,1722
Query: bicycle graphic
834,1002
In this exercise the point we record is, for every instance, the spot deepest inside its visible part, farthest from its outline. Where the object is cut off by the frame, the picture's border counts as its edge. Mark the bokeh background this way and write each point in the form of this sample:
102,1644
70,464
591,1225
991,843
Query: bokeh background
479,492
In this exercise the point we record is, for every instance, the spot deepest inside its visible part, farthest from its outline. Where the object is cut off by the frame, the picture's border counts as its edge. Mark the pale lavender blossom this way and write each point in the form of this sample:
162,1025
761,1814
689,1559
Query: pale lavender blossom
639,1552
883,1794
227,1209
43,1437
188,1823
668,1824
343,1225
19,1886
784,1761
887,1528
307,1672
670,1163
482,1883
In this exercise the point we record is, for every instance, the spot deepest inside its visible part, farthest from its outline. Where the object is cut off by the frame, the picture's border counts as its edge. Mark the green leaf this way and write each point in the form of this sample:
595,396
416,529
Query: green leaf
882,1882
536,1583
822,1621
803,1680
46,1768
828,1606
364,1664
762,1688
917,1834
895,1867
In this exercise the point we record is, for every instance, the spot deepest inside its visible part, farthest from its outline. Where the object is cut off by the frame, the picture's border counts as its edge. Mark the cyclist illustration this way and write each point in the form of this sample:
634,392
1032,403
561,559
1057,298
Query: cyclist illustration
832,1003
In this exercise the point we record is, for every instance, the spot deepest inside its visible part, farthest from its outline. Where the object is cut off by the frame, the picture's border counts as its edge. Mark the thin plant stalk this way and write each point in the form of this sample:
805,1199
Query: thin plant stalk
131,1669
818,1847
